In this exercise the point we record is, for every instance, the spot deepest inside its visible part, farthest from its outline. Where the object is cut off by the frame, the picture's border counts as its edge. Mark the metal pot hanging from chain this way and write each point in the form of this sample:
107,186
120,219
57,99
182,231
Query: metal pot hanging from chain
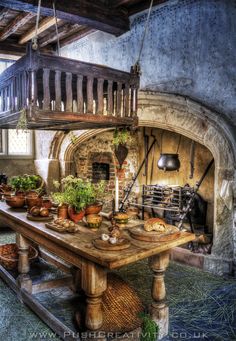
169,161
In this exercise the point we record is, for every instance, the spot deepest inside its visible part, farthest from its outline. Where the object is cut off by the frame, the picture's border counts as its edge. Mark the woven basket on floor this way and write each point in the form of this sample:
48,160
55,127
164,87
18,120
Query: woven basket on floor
9,255
121,307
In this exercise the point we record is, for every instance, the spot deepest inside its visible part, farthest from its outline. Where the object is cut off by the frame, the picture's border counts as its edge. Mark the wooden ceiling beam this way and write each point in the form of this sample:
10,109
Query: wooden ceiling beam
118,3
92,14
20,20
3,13
64,30
76,36
144,5
10,49
43,26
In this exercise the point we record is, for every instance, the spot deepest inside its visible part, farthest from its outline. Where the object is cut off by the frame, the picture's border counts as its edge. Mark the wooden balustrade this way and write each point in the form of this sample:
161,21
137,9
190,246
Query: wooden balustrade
67,94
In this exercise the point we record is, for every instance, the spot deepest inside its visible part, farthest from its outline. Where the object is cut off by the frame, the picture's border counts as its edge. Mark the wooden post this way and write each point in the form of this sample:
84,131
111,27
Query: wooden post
158,309
126,100
110,98
89,95
58,90
100,96
80,97
94,283
118,103
69,93
46,90
23,279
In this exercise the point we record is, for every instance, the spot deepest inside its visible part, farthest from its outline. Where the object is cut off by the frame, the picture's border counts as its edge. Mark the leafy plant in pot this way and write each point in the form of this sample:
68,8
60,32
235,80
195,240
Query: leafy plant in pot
29,187
78,194
120,139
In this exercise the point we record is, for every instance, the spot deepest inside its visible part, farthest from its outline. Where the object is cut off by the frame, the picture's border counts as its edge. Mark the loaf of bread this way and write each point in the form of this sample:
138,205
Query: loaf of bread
155,224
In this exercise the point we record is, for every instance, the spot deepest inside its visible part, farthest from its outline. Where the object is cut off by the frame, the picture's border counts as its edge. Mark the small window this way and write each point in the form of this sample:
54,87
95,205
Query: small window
15,143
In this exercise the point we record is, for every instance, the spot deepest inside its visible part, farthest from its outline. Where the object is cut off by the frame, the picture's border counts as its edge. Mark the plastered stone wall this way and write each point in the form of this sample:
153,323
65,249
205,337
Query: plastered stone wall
189,50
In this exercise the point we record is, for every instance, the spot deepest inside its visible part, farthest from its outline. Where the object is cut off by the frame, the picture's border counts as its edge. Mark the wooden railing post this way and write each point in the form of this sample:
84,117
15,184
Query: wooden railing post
100,96
80,96
46,90
58,90
110,103
90,94
69,94
118,102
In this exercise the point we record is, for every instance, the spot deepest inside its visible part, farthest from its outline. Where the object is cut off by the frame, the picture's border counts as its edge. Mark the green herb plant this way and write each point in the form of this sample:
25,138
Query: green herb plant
149,328
121,136
26,182
77,192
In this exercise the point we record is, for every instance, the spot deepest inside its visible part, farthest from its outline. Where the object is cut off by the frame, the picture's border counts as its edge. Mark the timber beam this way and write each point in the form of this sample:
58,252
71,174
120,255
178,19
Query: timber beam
93,14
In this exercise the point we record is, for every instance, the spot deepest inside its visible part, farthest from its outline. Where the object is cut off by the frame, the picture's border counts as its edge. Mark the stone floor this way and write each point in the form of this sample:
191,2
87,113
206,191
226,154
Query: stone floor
202,306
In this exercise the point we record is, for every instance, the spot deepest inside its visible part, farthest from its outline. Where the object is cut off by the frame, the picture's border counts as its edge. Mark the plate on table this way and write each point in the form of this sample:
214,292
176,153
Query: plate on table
61,229
122,244
39,218
138,232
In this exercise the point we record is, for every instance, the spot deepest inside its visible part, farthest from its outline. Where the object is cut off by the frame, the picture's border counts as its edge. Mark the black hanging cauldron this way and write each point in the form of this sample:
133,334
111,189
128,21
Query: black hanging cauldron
169,162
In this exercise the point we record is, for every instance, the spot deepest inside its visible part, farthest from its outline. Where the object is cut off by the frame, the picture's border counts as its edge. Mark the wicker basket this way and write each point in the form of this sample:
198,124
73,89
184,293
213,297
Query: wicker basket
121,307
9,255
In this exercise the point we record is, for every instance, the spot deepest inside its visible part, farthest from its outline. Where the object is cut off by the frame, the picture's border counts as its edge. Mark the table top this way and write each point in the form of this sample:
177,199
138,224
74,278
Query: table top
80,244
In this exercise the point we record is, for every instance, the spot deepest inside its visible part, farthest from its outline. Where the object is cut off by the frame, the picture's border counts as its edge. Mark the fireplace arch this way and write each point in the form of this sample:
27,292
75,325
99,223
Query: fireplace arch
184,116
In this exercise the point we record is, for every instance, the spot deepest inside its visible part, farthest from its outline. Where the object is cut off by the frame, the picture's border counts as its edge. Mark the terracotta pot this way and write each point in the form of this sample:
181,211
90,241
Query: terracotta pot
32,200
62,211
46,202
15,201
74,216
93,208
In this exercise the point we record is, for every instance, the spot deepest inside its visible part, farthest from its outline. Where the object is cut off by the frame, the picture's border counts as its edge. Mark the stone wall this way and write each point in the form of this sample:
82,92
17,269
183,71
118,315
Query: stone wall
101,144
189,50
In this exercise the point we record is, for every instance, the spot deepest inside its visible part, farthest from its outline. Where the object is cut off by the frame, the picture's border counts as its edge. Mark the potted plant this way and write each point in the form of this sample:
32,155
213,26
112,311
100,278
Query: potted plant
77,194
26,183
120,139
28,186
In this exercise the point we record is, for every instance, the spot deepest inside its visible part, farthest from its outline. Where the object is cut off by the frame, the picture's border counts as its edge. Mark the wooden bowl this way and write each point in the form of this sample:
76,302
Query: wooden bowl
15,201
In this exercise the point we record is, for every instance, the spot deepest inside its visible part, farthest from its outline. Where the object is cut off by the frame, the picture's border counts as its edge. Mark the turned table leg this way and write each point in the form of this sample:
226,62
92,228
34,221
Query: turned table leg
94,283
23,279
158,309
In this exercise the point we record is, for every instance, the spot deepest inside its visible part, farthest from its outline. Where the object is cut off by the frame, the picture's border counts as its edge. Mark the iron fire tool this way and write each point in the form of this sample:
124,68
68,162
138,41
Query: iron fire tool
187,209
129,188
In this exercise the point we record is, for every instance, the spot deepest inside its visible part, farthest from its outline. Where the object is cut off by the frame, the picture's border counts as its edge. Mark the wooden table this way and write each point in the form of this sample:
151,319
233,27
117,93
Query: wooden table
77,249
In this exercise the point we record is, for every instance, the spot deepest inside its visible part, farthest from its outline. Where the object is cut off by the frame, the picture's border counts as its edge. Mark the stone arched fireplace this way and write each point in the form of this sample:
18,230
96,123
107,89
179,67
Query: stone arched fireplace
186,117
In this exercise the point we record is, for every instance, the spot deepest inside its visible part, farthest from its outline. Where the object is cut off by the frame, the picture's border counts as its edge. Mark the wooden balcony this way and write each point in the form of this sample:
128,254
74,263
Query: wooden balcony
63,94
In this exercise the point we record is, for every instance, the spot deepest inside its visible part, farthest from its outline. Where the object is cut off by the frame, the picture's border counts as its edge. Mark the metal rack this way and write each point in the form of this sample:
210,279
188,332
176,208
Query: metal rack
168,198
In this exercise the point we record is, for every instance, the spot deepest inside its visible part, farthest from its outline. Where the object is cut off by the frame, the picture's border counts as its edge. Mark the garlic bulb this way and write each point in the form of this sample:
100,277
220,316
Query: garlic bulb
105,237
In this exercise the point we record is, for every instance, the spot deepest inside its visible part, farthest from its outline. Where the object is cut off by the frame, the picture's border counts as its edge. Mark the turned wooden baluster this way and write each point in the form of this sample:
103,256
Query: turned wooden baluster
1,101
34,88
23,89
134,102
119,96
90,95
58,90
80,96
23,279
94,283
100,92
126,100
46,90
110,104
158,309
69,93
